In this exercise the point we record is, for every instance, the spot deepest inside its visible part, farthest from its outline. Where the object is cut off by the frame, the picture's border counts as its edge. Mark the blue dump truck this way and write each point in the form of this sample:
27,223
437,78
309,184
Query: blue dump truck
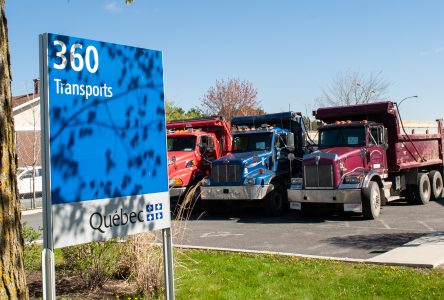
266,152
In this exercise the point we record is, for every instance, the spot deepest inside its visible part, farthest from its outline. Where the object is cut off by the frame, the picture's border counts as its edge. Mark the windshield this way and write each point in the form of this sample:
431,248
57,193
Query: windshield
182,143
342,136
252,142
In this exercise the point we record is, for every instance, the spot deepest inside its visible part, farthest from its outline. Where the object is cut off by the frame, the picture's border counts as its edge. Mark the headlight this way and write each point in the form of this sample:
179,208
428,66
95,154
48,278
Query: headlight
189,163
352,179
250,181
175,182
205,181
296,181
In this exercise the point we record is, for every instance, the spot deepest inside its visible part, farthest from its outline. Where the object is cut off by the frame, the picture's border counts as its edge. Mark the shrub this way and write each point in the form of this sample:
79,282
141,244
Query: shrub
95,262
32,251
144,261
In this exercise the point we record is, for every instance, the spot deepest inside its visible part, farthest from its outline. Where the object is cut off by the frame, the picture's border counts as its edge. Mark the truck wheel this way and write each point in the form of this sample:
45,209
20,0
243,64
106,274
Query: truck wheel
436,184
420,193
275,201
371,201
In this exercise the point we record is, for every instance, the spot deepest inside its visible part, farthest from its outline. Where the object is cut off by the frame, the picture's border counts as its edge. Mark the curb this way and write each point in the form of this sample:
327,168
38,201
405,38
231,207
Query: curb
234,250
330,258
342,259
31,212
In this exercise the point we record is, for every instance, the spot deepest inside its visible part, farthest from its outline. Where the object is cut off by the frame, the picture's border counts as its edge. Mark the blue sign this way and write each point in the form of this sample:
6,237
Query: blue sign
106,138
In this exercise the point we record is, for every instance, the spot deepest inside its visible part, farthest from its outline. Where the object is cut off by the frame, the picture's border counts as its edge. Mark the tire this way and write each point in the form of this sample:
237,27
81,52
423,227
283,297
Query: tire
421,192
436,183
371,201
275,201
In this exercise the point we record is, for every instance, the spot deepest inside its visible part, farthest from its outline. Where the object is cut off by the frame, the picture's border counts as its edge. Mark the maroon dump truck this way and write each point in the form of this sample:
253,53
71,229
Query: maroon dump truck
366,157
192,145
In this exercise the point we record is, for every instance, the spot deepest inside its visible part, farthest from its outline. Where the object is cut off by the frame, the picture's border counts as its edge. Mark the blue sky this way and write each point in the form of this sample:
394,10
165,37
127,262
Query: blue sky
289,50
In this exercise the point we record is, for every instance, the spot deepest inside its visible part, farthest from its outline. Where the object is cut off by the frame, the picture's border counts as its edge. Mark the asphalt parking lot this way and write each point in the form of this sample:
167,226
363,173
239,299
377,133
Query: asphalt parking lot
332,236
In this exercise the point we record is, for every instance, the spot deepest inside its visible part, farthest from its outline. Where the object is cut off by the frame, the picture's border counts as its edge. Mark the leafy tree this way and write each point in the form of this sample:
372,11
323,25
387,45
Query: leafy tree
354,88
12,271
231,98
174,112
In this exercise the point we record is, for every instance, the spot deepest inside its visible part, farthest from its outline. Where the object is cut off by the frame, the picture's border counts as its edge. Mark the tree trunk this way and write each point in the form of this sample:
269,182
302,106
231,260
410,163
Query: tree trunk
12,271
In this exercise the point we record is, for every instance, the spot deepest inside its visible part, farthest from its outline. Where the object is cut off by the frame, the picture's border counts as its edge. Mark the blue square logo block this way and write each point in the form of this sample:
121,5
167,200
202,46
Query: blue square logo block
150,217
158,206
159,216
149,208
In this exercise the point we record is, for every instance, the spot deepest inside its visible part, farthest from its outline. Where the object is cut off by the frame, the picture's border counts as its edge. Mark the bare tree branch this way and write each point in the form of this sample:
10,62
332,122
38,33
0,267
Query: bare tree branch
354,88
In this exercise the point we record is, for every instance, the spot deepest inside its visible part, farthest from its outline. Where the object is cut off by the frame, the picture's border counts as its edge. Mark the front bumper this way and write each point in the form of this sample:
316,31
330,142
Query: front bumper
177,192
351,199
253,192
348,196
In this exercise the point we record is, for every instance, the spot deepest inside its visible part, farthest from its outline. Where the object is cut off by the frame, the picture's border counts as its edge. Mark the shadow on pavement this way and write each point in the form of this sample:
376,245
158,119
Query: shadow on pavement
255,215
440,201
248,213
381,242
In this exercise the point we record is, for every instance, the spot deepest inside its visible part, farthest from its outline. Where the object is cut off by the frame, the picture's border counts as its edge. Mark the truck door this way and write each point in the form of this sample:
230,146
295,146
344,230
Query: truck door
207,150
377,149
282,152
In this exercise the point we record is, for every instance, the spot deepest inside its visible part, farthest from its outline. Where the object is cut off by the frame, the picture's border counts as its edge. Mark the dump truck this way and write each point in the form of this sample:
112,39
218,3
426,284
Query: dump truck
367,157
262,161
192,145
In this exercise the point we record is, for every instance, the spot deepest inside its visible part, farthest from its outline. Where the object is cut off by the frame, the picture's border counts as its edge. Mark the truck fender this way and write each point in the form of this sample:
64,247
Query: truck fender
268,181
275,179
372,176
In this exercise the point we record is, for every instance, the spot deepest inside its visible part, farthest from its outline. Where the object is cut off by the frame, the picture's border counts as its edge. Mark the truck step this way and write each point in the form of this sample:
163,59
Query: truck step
387,184
393,198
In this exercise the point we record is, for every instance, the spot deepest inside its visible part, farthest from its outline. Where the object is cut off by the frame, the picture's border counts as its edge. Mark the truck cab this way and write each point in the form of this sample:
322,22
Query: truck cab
260,164
192,145
366,158
347,152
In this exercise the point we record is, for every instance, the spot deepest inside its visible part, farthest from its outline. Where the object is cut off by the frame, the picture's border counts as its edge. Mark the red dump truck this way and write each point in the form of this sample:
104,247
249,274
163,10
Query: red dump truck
192,145
366,157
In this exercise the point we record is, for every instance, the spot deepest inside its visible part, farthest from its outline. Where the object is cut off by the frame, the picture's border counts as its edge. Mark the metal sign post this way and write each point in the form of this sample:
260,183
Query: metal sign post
48,263
168,263
104,147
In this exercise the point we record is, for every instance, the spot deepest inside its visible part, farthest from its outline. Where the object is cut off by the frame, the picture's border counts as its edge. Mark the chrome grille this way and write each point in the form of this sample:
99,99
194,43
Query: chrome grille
226,174
318,176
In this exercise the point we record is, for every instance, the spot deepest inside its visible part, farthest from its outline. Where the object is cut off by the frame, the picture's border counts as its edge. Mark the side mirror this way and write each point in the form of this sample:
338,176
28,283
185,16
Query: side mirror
304,139
290,141
385,138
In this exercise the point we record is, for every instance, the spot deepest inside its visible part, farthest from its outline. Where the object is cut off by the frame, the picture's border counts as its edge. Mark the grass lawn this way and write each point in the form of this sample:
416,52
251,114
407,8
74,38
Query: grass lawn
218,275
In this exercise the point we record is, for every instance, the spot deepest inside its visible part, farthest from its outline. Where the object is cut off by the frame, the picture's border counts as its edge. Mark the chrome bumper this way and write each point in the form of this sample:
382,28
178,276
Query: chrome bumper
254,192
177,192
349,196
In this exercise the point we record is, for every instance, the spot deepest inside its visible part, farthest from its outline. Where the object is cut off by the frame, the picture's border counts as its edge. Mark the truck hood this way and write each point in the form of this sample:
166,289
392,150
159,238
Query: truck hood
242,158
341,152
181,159
344,161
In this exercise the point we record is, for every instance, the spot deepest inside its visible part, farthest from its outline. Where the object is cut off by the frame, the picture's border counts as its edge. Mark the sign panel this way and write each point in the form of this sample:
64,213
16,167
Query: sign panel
105,140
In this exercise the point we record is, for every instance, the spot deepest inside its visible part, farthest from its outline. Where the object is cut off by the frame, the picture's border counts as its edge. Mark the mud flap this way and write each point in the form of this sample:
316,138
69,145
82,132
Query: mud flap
295,205
354,207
